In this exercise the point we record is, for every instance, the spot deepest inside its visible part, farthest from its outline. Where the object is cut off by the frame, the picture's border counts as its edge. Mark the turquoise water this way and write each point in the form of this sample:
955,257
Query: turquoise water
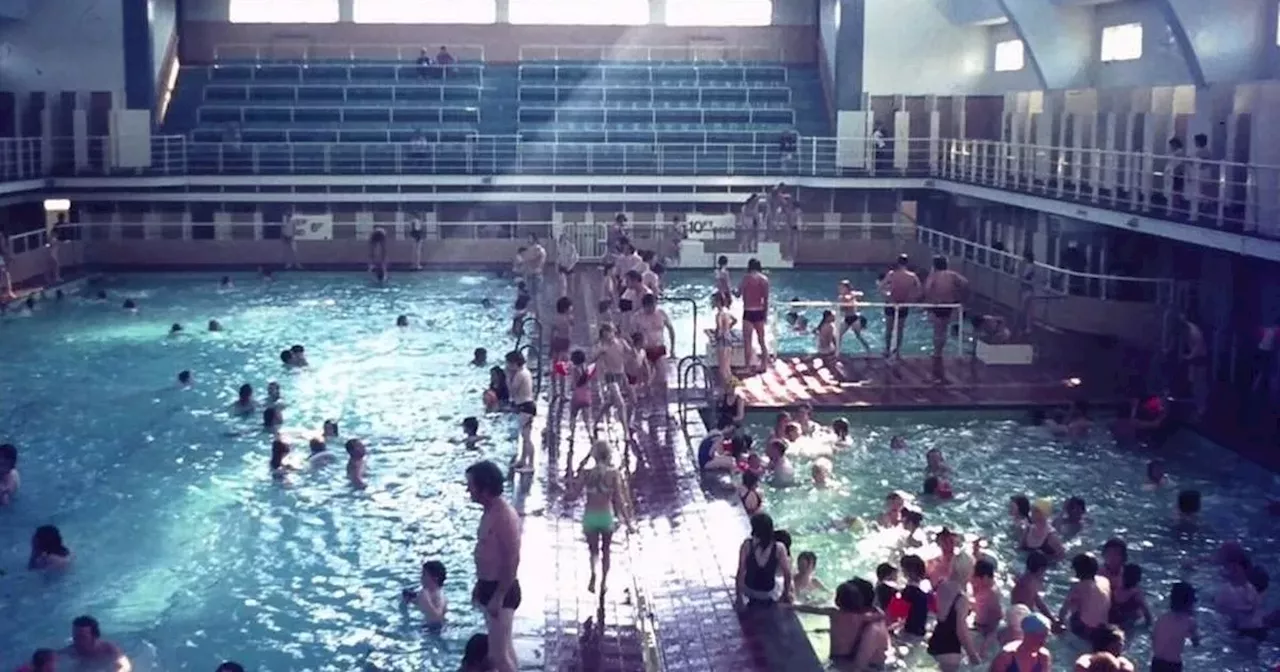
185,550
995,457
802,285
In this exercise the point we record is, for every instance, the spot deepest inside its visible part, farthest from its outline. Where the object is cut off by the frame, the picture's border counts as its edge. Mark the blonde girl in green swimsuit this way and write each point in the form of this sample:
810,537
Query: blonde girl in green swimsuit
606,497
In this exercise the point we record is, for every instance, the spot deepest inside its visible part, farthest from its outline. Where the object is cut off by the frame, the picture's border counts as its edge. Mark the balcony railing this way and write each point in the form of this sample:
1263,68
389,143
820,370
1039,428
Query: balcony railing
279,51
1213,194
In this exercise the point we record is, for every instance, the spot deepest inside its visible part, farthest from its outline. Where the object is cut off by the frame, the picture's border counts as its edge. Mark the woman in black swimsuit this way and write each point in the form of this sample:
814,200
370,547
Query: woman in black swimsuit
951,639
760,560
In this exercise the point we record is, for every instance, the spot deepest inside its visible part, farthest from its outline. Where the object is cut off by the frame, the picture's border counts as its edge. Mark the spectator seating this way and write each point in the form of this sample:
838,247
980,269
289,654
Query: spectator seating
654,102
339,102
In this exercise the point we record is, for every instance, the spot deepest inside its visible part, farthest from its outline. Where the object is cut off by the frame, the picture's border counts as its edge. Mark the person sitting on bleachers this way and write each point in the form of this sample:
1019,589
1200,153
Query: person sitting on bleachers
424,64
443,57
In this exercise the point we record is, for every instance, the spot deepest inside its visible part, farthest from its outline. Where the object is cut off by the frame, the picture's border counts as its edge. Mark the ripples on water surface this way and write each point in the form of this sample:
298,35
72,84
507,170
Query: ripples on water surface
181,539
993,458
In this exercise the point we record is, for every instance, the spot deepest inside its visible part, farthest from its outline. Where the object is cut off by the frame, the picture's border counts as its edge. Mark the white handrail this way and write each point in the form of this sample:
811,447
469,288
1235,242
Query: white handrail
278,51
623,52
838,306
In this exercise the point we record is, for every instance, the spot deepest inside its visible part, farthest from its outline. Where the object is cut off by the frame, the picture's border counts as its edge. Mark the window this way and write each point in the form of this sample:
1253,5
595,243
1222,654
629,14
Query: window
720,12
1010,56
578,12
284,11
425,11
1122,42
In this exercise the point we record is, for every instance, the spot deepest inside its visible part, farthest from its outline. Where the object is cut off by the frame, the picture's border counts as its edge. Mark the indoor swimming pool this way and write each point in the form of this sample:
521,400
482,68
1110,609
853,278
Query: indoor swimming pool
995,456
185,549
798,285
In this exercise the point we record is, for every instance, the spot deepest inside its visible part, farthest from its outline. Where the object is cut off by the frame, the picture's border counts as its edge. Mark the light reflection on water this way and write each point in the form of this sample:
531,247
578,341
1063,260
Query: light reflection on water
994,457
181,539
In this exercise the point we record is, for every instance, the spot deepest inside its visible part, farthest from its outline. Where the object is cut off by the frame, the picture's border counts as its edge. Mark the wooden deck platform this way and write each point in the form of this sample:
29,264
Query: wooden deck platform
908,383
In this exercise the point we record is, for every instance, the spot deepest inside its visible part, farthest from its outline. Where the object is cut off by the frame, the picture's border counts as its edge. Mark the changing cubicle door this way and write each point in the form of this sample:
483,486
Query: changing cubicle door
1237,207
913,147
902,146
935,141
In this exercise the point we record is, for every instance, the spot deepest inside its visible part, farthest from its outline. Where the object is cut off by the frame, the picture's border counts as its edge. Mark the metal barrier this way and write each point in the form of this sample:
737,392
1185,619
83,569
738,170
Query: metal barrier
286,50
1050,279
693,302
714,53
532,350
1212,194
687,370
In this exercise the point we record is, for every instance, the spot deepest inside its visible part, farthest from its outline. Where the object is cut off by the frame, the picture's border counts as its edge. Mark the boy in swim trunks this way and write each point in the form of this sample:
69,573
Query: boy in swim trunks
653,323
899,285
1088,601
1174,629
754,290
943,286
561,328
852,320
610,357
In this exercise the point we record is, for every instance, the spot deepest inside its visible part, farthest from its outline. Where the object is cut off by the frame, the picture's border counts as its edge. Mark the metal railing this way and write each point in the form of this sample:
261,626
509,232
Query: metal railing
285,50
836,307
1047,279
698,53
1213,194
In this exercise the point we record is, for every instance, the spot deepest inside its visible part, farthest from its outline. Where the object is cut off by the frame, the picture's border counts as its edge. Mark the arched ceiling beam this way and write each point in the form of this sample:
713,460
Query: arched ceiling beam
1173,12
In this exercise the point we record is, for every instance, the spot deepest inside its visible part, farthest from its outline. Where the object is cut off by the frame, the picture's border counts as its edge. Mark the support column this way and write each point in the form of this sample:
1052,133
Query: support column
657,12
850,37
139,59
346,11
502,9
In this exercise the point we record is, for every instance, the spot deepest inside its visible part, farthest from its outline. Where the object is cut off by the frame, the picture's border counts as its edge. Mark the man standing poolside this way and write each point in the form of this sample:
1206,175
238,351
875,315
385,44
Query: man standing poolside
754,290
900,285
947,287
497,556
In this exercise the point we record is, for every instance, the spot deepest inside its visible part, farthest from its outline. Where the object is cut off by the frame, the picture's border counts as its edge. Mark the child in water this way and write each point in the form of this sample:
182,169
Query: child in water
798,322
580,398
1173,629
826,334
805,581
430,599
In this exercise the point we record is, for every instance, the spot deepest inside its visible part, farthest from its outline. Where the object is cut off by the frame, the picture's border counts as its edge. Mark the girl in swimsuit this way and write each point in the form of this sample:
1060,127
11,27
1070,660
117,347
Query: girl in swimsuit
1027,654
1040,535
724,288
580,400
749,494
606,496
826,332
722,337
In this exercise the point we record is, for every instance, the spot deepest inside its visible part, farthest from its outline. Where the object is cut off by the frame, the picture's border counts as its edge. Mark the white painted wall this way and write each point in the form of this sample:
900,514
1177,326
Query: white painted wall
912,48
1017,80
64,45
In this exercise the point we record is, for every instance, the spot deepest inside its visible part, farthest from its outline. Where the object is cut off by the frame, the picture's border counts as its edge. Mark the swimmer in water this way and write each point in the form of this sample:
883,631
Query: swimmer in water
1174,629
821,472
9,477
749,493
402,321
805,581
88,647
215,325
1040,535
298,356
480,357
225,282
320,455
244,403
471,436
1189,502
43,660
279,452
1128,602
825,333
1071,522
175,330
430,599
1156,477
1028,589
1088,602
330,431
184,378
799,323
272,419
355,463
897,443
48,550
987,607
936,465
894,503
840,427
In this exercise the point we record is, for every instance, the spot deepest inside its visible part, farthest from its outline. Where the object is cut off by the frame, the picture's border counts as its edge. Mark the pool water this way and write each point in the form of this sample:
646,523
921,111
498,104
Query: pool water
802,285
994,457
185,549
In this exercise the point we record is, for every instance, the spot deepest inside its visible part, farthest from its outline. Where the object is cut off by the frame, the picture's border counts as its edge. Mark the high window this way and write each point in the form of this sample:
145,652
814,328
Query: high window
579,12
720,12
1010,56
1122,42
425,11
283,11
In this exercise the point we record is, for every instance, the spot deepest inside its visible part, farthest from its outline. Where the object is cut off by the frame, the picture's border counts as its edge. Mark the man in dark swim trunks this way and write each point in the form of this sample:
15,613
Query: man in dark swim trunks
754,290
378,251
497,555
943,286
900,285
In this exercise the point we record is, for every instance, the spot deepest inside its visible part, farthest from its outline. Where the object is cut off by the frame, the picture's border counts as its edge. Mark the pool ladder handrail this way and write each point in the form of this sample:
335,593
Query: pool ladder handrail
693,302
532,350
686,372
